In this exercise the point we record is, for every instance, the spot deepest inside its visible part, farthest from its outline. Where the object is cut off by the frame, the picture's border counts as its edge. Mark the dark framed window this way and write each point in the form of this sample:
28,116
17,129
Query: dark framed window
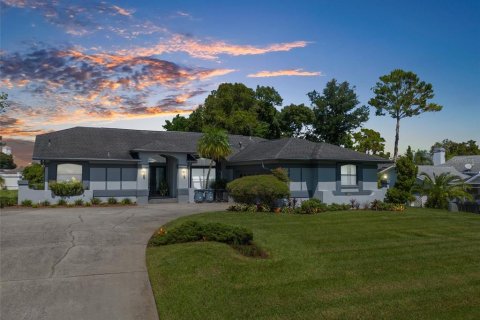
348,174
69,171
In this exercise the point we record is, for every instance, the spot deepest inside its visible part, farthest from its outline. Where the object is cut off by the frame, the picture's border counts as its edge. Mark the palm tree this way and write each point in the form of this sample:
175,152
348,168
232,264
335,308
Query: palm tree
441,189
213,145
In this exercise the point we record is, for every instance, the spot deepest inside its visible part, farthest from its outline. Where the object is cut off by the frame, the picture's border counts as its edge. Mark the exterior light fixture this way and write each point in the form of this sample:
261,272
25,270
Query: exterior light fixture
144,173
385,177
184,173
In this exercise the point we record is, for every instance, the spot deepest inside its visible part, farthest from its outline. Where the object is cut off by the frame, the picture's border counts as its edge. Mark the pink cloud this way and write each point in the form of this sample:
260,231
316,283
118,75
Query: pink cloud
286,72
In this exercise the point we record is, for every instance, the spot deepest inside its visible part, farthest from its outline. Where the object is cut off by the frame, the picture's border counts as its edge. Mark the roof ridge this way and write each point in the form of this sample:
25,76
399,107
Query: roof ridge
281,149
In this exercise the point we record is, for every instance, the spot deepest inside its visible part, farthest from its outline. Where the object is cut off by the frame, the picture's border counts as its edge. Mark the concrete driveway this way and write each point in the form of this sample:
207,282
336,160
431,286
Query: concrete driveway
80,263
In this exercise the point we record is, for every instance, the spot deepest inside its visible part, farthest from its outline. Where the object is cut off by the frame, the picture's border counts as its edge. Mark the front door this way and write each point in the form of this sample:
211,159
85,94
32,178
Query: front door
158,182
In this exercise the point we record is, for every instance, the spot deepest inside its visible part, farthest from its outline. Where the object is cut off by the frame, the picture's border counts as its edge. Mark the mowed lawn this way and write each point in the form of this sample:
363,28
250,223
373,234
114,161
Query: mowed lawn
420,264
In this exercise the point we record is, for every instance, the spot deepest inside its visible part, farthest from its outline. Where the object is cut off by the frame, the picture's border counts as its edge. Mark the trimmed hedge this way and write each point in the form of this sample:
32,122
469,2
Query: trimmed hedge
258,189
7,201
66,188
195,231
312,206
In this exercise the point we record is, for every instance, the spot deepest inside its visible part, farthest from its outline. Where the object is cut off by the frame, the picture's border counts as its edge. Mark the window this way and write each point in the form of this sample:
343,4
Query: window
349,175
199,175
69,171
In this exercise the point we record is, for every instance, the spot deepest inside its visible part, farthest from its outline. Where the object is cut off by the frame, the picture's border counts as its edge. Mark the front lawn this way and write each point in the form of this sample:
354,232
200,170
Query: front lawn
420,264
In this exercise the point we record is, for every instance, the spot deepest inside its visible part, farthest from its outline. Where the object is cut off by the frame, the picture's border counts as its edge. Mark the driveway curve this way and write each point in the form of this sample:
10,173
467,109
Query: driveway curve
80,263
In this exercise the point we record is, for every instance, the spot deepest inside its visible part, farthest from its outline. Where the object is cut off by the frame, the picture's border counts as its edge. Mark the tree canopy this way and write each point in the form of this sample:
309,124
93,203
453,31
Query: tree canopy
422,157
296,120
369,141
6,161
213,145
401,94
336,113
453,149
237,109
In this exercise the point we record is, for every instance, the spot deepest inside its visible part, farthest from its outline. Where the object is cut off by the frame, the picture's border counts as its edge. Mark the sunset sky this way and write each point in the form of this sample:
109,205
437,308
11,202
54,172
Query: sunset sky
133,64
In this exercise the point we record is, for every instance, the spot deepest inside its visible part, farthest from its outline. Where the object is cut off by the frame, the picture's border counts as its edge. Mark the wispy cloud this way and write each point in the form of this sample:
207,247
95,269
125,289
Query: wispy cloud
77,19
286,72
210,50
78,85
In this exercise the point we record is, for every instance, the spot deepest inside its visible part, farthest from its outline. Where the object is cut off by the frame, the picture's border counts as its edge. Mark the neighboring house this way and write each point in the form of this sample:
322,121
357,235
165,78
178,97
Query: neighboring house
466,168
146,165
6,150
11,177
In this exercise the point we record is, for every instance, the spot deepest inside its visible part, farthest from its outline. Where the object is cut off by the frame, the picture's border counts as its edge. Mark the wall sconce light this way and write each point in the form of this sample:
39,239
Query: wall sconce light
184,173
385,177
144,173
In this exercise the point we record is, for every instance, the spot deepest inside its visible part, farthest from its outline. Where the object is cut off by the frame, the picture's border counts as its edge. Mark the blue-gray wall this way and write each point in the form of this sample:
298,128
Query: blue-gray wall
322,180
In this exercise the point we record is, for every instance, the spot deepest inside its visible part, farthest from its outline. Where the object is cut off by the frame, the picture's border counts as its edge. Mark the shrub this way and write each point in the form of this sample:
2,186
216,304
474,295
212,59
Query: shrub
378,205
27,203
62,202
45,203
241,207
259,189
263,208
88,204
34,175
112,201
290,210
281,174
195,231
79,202
126,201
35,205
36,186
395,195
338,207
6,201
312,206
67,188
96,201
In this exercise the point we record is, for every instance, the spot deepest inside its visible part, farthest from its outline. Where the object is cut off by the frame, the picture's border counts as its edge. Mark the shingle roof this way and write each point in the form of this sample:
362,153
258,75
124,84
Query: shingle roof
459,163
438,170
299,149
118,144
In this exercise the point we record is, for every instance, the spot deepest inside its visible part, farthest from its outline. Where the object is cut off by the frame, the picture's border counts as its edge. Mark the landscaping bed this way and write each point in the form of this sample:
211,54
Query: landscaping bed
418,264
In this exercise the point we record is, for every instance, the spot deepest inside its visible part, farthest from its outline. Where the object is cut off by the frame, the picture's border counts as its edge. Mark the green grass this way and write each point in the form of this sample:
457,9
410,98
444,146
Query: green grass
9,193
421,264
8,197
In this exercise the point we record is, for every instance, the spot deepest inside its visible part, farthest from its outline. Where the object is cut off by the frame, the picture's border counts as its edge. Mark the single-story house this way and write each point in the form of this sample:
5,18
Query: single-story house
149,165
11,177
467,168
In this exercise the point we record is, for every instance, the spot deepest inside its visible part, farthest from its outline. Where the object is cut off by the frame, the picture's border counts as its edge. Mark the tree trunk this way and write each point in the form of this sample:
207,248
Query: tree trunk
397,134
208,174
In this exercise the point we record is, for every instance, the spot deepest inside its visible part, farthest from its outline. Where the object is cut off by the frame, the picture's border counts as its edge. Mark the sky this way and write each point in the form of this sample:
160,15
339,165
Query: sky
134,64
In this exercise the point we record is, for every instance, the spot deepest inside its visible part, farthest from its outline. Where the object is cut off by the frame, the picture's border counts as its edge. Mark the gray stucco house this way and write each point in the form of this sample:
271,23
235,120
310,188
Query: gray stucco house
467,168
149,165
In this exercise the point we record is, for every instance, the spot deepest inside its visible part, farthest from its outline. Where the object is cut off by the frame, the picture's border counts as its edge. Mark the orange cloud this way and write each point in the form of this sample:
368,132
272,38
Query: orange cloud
286,72
122,11
210,50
